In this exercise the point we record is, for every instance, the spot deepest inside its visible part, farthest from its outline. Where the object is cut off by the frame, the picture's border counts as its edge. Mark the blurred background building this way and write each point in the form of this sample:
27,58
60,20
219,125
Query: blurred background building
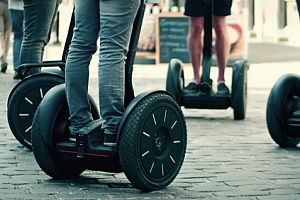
267,19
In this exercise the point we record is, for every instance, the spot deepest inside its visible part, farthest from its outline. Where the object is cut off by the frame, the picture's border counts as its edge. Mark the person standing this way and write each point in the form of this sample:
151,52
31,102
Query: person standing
5,30
39,16
114,19
194,9
17,20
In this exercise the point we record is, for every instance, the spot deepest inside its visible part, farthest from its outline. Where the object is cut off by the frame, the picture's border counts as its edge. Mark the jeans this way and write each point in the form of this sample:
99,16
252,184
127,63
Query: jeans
38,21
5,30
112,20
17,29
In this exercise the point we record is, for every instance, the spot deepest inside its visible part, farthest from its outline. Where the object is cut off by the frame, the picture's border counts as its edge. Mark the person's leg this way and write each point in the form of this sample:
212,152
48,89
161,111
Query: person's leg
5,30
83,46
116,25
221,46
38,21
2,31
7,35
194,44
194,9
17,29
222,8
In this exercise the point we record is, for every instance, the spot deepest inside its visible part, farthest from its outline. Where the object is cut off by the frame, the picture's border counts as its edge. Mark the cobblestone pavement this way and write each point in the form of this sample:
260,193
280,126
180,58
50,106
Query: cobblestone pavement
225,159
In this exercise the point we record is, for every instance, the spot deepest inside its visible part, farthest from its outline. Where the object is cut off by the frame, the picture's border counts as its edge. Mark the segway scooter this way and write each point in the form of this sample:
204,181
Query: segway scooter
205,98
283,111
151,140
25,97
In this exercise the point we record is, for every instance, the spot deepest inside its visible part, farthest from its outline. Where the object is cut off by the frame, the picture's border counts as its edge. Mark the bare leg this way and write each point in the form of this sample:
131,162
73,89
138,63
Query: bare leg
222,45
194,44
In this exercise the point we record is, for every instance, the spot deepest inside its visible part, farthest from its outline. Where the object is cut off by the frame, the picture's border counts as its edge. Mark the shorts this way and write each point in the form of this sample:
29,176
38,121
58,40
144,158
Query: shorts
195,8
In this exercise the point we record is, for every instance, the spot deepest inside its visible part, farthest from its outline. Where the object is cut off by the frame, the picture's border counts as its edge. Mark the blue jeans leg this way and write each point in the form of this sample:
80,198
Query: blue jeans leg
38,20
115,32
17,20
83,46
116,19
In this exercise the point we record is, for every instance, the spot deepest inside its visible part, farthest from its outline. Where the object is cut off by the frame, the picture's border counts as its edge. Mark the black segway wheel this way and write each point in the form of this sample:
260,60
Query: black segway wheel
283,101
152,142
49,127
23,102
175,79
239,89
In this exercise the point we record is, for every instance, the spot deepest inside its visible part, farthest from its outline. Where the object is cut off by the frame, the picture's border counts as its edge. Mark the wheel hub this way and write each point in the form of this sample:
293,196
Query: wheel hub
160,142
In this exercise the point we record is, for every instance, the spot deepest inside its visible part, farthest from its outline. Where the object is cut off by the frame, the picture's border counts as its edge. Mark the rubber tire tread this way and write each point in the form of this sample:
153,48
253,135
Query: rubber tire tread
127,154
276,127
16,99
240,95
45,157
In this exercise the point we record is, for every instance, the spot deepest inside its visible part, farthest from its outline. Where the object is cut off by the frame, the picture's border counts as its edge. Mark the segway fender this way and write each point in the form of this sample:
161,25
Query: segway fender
280,93
174,76
54,71
54,98
135,101
175,64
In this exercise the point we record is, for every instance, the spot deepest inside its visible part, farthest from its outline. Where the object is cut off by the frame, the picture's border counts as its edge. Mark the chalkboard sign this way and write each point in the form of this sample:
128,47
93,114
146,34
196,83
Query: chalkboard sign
171,31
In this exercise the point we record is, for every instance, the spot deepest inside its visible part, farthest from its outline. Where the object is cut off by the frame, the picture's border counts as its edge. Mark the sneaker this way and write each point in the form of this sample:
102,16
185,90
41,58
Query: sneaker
191,88
16,76
222,89
110,140
4,67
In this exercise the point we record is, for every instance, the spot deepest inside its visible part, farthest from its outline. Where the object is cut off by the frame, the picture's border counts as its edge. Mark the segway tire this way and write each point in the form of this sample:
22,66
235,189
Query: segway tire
152,142
55,114
276,115
46,157
239,89
23,102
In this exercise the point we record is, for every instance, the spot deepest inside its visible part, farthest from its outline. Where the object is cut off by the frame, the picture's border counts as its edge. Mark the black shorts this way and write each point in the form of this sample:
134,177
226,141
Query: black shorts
195,8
